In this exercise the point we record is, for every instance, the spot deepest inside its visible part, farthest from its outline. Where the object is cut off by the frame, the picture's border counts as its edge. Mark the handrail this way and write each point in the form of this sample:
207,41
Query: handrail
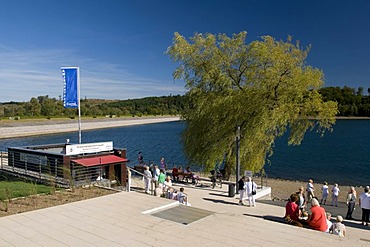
142,174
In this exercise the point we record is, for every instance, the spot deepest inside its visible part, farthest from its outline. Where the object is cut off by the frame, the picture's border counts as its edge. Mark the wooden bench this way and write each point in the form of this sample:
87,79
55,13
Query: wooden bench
181,176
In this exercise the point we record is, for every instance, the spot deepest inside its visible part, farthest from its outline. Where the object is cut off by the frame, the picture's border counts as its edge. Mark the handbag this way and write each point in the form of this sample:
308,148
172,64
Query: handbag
253,191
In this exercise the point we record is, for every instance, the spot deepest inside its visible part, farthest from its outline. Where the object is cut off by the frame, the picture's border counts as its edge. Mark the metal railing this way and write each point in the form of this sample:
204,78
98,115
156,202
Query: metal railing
152,184
49,170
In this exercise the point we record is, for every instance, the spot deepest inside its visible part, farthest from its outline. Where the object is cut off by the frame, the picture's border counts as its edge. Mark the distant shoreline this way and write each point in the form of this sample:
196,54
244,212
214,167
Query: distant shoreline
353,118
20,128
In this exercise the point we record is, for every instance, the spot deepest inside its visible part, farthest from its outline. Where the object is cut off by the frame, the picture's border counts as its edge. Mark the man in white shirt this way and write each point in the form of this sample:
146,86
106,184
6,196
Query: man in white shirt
364,201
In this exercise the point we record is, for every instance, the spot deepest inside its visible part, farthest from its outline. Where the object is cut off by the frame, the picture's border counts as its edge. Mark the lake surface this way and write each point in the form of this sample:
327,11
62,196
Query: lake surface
342,156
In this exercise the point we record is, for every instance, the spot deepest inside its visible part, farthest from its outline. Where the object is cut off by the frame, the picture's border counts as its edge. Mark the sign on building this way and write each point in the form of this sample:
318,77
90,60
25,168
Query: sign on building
73,149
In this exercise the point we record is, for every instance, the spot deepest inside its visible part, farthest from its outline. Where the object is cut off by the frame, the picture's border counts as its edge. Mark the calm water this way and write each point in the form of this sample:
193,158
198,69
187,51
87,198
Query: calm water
342,156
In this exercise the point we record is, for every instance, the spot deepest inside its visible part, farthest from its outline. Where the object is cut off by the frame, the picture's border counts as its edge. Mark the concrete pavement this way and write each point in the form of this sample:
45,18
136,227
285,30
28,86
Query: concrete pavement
128,219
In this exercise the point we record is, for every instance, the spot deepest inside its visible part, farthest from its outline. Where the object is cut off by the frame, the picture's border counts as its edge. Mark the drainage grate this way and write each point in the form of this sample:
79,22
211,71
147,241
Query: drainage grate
183,214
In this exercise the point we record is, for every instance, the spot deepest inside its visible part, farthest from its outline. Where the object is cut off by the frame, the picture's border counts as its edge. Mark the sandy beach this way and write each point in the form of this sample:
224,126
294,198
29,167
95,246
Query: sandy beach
281,189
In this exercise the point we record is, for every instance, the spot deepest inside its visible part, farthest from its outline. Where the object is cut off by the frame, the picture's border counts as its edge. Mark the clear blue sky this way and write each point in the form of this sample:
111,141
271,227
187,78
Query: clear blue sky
120,44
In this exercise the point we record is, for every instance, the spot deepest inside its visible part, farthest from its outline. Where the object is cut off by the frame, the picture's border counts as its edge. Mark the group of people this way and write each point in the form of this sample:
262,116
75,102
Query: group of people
318,219
154,175
181,174
297,214
247,188
163,185
324,193
162,162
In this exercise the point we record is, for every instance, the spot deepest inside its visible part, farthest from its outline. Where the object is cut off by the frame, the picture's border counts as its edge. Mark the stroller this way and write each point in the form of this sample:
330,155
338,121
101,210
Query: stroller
216,178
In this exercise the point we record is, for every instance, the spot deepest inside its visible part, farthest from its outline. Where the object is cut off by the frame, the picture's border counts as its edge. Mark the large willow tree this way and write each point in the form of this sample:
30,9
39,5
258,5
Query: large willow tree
265,87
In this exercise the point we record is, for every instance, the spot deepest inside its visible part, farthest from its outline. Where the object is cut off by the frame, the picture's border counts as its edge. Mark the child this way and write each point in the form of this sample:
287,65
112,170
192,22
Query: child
338,227
324,192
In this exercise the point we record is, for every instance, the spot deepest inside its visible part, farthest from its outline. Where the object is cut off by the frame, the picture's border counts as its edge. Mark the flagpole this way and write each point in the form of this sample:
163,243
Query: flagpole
79,105
71,92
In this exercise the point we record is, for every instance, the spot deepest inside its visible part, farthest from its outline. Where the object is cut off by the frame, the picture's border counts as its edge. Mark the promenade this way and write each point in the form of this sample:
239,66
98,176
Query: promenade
138,219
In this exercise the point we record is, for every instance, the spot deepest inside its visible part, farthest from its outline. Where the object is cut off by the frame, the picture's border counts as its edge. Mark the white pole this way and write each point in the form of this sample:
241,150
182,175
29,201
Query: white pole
79,105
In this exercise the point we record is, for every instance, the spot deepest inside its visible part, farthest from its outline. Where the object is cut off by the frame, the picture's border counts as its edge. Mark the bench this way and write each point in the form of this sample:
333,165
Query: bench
181,176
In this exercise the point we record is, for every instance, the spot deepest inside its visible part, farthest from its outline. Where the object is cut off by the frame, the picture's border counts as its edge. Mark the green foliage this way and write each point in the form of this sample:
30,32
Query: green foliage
350,101
47,107
14,189
264,87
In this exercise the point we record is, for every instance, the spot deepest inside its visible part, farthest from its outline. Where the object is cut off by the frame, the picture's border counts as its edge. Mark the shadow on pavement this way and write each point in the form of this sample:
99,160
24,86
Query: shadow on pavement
215,194
220,201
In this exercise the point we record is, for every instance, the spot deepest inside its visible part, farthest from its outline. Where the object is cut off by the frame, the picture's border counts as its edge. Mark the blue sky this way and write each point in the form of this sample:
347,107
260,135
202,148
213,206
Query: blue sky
119,45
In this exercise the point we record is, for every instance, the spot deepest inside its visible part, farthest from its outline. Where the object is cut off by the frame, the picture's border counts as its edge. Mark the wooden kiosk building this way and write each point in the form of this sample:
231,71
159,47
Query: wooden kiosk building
71,164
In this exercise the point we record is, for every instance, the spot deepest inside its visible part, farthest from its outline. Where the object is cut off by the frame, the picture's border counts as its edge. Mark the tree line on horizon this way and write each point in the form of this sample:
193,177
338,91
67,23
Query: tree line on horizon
351,103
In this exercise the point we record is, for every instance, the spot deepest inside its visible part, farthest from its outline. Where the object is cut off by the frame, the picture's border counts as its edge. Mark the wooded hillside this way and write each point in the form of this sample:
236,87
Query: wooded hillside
351,103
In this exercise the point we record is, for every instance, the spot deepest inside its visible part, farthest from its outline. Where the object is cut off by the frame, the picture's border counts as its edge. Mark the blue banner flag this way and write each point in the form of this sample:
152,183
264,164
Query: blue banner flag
70,86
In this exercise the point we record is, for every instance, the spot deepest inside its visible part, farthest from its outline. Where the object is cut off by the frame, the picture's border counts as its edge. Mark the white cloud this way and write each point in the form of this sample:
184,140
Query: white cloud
31,73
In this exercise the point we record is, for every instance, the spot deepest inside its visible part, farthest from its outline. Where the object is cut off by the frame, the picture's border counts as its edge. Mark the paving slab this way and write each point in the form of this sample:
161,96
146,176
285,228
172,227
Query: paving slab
129,219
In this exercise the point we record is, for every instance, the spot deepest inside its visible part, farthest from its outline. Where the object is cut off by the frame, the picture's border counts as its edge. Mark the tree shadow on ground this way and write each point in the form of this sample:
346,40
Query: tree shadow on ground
220,201
268,217
215,194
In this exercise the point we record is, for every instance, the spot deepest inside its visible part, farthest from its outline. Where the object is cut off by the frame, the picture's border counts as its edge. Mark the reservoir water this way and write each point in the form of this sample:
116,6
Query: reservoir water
342,156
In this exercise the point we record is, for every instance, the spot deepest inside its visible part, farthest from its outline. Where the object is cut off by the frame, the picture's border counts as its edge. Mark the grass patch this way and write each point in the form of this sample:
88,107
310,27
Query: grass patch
14,189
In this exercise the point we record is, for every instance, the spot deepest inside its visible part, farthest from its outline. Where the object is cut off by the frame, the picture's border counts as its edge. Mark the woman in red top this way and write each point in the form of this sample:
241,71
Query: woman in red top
292,208
317,220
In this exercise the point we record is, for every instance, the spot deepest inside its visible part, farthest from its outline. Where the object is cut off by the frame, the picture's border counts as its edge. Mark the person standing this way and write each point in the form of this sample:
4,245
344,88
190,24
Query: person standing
250,190
140,158
351,202
241,186
324,193
147,179
156,173
163,164
302,199
161,178
364,202
310,190
128,187
335,195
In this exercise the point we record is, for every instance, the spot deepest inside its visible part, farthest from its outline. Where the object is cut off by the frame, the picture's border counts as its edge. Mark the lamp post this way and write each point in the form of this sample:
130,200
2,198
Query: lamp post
237,157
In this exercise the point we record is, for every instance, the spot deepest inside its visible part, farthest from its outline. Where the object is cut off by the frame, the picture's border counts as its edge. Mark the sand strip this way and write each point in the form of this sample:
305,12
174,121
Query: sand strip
53,128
